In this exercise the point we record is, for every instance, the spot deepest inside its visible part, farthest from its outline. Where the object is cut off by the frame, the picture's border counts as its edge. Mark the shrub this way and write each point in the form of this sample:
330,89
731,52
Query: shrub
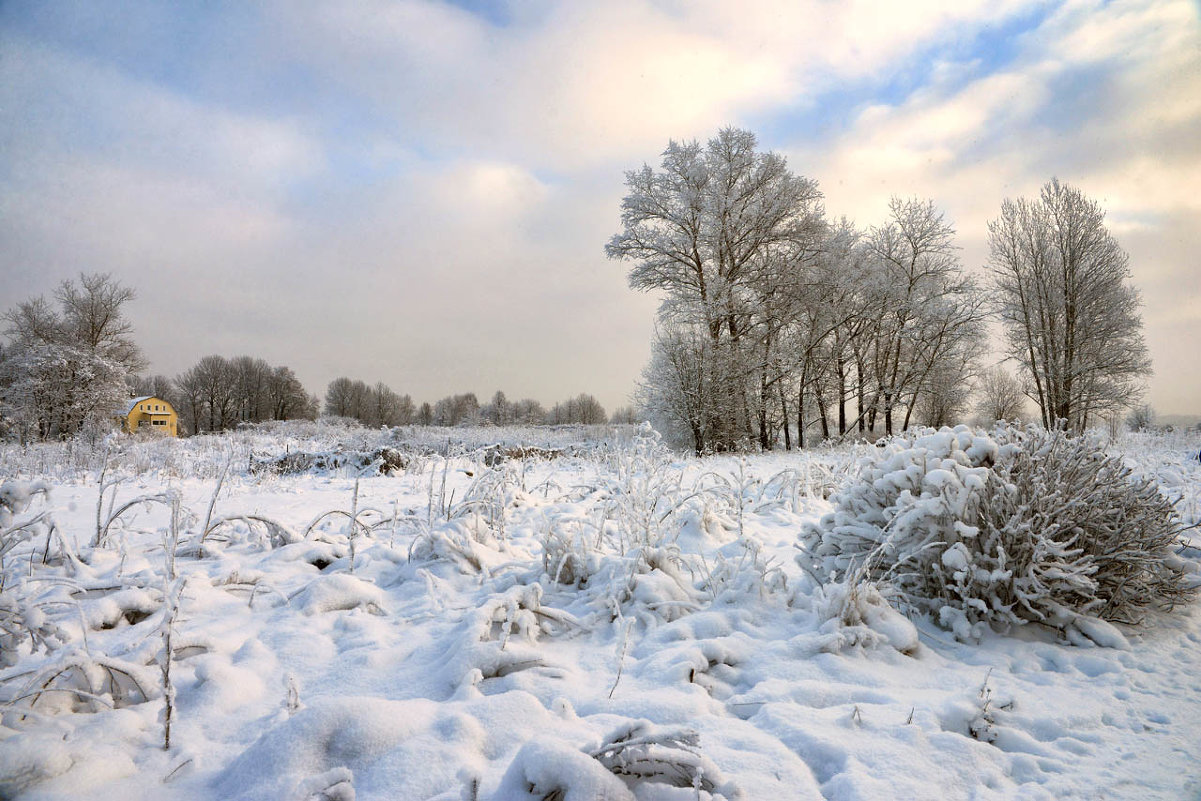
1024,525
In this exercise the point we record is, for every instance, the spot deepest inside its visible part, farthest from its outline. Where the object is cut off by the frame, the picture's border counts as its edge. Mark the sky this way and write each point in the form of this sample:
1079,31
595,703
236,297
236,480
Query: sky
420,192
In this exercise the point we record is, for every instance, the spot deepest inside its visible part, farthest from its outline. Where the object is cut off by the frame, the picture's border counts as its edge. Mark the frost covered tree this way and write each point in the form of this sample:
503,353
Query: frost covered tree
704,229
67,365
773,315
1070,314
944,400
675,387
56,391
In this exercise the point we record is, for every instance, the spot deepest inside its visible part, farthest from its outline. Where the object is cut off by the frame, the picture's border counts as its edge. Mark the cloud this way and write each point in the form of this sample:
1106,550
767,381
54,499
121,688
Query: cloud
415,192
567,86
1105,96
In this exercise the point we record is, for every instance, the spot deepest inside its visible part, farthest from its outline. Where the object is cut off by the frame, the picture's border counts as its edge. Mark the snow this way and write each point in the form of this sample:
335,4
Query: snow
614,622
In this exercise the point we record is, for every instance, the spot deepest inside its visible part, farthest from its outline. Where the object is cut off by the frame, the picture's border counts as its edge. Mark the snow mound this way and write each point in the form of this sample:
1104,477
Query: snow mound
549,770
330,735
340,592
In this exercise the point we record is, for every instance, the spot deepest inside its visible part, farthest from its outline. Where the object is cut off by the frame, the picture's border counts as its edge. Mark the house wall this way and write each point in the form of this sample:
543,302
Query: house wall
153,414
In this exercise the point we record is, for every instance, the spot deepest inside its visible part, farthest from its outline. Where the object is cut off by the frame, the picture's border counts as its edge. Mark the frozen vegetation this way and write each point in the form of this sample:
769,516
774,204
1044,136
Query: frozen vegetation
303,611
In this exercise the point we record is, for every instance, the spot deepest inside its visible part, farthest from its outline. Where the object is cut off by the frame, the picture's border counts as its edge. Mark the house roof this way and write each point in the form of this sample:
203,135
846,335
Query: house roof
135,401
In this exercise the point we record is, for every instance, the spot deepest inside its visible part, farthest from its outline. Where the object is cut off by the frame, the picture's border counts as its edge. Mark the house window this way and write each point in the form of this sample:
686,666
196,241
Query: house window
158,422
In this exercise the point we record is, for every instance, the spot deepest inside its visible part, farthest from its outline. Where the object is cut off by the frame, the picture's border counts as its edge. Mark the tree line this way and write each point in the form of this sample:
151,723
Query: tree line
71,365
379,405
777,321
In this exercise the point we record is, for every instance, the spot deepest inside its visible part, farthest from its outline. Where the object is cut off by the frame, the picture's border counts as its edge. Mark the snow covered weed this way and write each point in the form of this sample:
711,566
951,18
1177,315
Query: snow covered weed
643,753
1021,526
80,682
645,487
750,574
24,608
856,615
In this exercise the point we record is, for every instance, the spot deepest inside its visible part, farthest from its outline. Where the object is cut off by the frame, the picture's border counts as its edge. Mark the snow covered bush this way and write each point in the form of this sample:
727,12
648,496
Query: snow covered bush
1023,525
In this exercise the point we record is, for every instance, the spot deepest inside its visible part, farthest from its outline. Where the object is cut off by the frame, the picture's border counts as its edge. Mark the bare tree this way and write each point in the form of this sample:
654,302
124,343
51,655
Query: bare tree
253,388
160,386
528,412
1071,317
456,410
499,411
386,408
625,415
217,379
345,397
999,396
189,400
218,393
93,317
583,409
927,308
287,396
1141,418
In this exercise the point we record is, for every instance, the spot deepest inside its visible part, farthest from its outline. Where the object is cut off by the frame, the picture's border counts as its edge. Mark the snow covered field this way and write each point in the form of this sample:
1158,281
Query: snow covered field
594,618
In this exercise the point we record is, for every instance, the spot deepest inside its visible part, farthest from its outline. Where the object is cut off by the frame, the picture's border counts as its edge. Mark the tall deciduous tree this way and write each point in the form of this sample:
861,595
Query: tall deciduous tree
1071,316
929,313
707,229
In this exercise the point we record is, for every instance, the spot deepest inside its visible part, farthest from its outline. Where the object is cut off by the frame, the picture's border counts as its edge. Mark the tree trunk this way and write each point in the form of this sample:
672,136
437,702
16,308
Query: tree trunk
784,418
842,399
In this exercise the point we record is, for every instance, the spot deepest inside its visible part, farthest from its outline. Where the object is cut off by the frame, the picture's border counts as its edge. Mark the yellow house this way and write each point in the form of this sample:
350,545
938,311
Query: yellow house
149,413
